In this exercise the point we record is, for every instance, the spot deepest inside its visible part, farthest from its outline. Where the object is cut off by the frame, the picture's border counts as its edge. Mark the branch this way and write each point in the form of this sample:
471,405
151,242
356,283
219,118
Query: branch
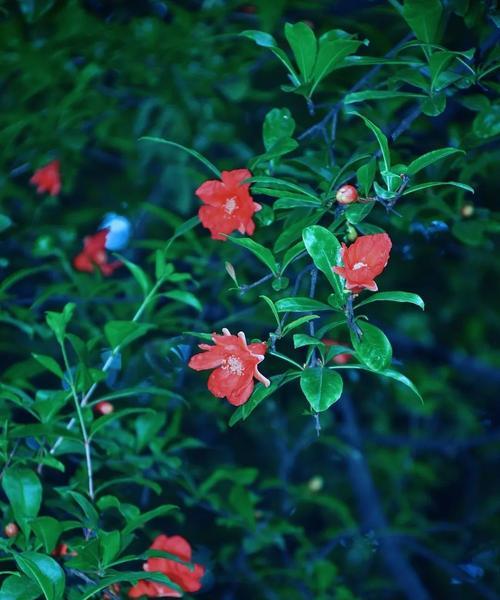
333,112
370,509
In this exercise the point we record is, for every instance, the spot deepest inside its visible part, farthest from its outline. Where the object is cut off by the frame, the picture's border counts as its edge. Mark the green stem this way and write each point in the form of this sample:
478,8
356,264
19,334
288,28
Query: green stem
86,441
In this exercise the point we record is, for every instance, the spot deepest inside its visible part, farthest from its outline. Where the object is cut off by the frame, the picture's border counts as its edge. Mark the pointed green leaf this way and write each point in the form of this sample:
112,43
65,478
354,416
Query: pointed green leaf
430,158
394,297
322,387
45,571
373,348
381,139
324,249
304,47
261,252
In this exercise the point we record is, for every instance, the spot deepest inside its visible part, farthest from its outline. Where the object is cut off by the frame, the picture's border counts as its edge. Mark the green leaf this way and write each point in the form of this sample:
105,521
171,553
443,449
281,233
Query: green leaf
130,577
365,175
45,572
88,510
139,275
24,491
59,321
48,531
278,124
303,339
185,297
379,95
402,379
434,105
261,252
298,304
109,546
322,387
141,520
394,297
373,348
297,323
487,123
121,333
265,40
271,305
19,587
197,155
304,47
424,18
357,212
381,139
49,363
324,249
430,184
430,158
101,422
330,56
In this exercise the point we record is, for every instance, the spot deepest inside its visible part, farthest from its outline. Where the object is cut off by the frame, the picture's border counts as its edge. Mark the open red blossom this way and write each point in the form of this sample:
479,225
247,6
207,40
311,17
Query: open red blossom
94,255
48,179
339,359
186,577
228,204
363,261
235,363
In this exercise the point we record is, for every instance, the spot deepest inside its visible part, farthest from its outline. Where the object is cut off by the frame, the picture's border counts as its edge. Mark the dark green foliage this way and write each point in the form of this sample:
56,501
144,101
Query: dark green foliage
371,476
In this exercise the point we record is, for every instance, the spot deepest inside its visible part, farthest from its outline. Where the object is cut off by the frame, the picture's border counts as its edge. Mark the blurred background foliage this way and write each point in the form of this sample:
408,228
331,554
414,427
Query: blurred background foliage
273,510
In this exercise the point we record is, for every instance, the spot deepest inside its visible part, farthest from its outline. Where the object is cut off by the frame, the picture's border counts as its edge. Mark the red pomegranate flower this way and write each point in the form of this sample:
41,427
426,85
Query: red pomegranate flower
235,363
363,261
339,359
48,179
228,204
94,255
188,578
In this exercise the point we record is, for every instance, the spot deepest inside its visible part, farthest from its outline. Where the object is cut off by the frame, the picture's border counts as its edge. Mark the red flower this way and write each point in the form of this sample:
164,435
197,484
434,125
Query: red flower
339,359
228,204
94,254
188,578
48,179
363,261
235,363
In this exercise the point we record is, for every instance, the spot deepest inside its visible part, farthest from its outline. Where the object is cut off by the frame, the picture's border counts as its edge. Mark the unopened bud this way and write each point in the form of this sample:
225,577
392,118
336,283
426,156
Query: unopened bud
346,194
11,530
351,234
315,484
467,210
104,408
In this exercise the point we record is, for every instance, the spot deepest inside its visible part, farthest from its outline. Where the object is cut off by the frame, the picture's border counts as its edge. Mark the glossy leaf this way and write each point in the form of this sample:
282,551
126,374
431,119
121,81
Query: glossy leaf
45,572
261,252
324,248
430,158
394,297
381,139
24,491
304,47
321,386
373,348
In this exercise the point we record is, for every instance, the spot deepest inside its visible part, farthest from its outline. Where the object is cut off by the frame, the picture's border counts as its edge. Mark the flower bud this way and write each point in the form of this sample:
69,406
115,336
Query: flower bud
104,408
11,530
315,484
467,210
346,194
351,234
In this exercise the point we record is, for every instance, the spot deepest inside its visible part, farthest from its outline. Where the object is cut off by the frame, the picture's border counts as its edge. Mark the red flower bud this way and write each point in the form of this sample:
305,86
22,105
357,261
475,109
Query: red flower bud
104,408
11,530
346,194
